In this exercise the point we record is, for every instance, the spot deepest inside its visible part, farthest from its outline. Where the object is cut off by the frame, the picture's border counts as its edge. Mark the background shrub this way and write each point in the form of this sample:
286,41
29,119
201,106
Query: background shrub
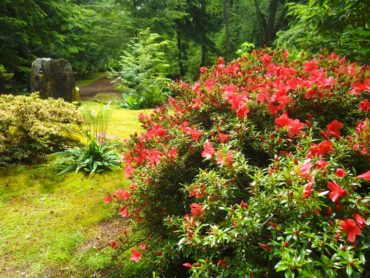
141,72
31,127
255,171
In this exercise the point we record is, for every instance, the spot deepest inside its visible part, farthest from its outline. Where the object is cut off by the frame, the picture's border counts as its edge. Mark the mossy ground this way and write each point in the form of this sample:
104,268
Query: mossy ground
46,219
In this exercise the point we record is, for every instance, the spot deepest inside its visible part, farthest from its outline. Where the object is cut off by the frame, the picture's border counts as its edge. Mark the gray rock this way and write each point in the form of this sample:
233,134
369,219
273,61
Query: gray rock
53,78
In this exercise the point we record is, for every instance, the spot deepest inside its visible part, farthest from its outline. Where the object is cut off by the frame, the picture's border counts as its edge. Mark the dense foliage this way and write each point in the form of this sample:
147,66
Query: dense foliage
342,26
262,167
31,127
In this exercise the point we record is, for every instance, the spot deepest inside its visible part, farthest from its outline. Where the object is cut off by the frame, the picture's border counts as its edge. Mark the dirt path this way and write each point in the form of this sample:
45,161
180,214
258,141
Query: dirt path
98,87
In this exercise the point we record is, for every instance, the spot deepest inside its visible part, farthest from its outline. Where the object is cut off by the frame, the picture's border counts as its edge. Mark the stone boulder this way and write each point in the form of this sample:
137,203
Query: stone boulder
53,78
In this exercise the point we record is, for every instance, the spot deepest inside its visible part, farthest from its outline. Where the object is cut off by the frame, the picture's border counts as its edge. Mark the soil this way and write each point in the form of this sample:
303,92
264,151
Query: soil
100,86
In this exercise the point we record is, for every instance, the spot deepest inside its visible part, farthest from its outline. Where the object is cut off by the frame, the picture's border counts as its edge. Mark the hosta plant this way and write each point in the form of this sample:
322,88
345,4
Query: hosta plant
261,168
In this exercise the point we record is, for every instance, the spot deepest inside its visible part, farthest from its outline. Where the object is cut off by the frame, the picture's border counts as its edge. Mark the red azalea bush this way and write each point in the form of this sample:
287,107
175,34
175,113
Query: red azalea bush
261,167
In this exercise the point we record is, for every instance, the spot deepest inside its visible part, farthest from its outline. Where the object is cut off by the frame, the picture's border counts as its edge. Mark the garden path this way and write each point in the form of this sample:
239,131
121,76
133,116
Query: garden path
100,86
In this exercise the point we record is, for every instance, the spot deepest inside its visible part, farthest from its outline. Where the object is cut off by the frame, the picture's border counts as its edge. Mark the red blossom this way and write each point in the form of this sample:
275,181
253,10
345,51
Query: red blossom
223,137
187,265
265,246
196,210
322,149
333,129
308,190
123,211
365,106
360,87
361,222
350,228
108,199
341,173
305,170
364,176
208,150
321,164
122,194
114,244
129,170
242,111
135,255
294,126
310,66
336,191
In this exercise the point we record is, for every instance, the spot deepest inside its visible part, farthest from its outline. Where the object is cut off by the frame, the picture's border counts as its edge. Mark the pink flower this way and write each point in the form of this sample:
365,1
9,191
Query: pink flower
135,255
305,169
208,150
124,212
129,170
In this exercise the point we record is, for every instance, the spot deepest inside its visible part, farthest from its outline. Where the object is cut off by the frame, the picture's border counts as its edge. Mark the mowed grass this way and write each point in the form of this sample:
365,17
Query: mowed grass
46,219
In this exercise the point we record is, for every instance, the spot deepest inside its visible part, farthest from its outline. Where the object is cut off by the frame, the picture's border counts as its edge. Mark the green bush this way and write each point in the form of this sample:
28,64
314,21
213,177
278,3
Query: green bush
31,128
260,169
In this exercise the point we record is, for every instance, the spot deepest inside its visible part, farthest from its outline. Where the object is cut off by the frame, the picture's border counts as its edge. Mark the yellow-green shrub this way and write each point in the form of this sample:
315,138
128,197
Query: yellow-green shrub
31,127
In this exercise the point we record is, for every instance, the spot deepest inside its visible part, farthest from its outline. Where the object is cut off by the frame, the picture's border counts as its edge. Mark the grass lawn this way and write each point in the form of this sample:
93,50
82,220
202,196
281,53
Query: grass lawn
49,223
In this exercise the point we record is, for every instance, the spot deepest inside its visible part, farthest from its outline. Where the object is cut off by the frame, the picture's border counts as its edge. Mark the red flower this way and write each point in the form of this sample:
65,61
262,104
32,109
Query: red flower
294,126
108,199
242,111
308,190
129,170
122,194
333,128
223,137
208,150
135,255
265,246
187,265
124,212
320,164
196,210
351,229
365,176
341,173
203,69
310,66
195,134
361,222
114,244
336,191
365,106
322,149
359,87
